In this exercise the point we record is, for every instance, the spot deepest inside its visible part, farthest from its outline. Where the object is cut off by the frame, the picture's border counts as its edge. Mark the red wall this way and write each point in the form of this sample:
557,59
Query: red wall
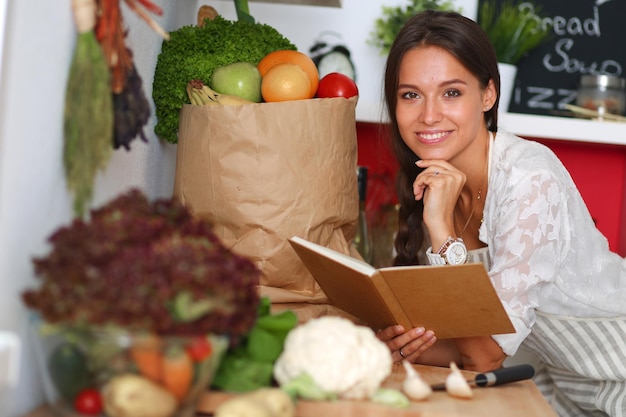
597,169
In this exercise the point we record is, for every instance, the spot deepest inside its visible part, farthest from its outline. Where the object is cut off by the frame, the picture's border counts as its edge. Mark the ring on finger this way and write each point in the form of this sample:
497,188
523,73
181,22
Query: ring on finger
436,173
401,354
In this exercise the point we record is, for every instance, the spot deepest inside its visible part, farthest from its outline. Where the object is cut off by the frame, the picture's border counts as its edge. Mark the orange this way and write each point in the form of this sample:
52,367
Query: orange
284,82
291,57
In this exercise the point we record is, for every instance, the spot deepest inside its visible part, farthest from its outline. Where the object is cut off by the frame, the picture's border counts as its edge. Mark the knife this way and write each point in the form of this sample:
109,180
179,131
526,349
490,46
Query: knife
497,377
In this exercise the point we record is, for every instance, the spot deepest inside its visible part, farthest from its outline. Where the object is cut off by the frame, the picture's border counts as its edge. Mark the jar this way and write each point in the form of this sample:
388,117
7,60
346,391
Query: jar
603,93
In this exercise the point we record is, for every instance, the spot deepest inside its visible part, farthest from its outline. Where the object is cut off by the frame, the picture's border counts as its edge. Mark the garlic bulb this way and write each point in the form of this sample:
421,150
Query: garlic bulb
456,385
413,385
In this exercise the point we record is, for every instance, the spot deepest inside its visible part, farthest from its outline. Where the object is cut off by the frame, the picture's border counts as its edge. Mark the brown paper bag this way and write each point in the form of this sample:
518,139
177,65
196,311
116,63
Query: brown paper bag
265,172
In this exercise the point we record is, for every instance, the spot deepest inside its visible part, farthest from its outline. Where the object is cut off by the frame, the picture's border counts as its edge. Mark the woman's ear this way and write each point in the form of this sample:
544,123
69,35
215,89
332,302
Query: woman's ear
489,96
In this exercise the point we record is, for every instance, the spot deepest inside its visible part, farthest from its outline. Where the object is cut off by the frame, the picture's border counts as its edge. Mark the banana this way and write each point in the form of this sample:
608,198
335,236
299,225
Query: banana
229,100
201,94
191,94
197,95
206,91
202,99
225,99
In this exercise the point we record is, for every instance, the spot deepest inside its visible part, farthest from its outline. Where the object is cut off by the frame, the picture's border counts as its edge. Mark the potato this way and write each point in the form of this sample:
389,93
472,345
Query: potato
263,402
130,395
277,400
243,406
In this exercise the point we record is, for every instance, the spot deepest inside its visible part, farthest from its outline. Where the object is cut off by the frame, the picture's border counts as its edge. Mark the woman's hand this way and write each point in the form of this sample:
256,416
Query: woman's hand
439,186
406,345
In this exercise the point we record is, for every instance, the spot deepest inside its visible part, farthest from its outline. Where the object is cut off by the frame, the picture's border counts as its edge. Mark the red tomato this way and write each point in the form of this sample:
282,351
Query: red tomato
88,402
336,84
199,349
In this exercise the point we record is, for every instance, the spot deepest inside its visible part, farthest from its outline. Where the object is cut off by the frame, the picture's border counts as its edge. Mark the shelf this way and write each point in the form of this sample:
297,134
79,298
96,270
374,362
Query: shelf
321,3
534,126
564,128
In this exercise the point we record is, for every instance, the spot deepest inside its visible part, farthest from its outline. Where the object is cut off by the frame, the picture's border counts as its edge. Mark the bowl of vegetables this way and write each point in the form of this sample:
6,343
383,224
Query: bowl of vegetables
118,373
135,309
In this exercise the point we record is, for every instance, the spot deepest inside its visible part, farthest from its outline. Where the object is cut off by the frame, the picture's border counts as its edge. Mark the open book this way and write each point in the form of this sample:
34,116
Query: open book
453,301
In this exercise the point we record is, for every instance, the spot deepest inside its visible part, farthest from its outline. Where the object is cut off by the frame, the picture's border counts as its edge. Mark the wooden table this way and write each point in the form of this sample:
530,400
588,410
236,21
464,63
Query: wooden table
518,399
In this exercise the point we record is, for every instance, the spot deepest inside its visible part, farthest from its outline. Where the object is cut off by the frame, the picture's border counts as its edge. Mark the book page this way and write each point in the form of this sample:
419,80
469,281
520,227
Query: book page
353,263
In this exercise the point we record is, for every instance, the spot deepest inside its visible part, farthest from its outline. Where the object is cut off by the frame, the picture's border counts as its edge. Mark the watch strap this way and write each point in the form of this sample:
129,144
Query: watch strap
439,258
434,258
446,244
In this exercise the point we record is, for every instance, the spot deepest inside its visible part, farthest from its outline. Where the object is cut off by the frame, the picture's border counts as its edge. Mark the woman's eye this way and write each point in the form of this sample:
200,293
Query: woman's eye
410,95
452,93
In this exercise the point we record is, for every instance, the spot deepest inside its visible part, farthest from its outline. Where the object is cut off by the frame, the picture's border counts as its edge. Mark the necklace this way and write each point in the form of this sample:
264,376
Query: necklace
469,218
478,198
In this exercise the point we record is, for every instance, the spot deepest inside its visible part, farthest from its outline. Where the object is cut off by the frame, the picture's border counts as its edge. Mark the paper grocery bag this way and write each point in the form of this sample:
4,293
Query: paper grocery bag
268,171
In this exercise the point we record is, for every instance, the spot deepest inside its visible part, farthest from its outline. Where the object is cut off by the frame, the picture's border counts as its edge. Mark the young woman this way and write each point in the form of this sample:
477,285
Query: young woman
470,192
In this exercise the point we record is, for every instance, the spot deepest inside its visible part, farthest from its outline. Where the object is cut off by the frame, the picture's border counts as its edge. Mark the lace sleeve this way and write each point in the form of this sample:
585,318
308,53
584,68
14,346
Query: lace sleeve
528,242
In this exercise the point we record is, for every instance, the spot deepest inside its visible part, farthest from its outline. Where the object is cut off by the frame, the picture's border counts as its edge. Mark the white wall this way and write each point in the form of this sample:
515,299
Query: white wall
34,65
39,42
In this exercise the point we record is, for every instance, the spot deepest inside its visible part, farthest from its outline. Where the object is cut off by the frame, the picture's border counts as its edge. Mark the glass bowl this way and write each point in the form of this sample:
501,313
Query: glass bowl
113,372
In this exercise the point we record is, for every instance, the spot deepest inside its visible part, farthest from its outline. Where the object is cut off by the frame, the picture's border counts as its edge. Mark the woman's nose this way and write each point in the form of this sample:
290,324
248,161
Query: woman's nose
430,112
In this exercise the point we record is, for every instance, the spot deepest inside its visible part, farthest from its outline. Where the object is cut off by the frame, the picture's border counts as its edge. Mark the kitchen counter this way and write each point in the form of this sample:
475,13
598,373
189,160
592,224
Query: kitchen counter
518,399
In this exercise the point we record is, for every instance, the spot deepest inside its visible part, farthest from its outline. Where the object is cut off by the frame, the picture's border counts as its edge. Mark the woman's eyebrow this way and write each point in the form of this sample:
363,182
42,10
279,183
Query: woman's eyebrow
442,84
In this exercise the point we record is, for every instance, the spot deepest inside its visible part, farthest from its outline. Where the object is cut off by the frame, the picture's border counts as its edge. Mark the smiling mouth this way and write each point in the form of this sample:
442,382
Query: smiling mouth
433,136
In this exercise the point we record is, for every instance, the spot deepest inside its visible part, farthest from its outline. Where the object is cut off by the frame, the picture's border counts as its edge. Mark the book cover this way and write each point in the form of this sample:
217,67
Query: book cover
452,301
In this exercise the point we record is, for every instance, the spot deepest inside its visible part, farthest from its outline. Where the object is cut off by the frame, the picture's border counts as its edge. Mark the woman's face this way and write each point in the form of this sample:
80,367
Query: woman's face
440,104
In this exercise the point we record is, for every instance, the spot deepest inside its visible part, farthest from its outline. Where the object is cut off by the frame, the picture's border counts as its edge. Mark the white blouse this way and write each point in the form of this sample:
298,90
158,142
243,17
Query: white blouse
545,252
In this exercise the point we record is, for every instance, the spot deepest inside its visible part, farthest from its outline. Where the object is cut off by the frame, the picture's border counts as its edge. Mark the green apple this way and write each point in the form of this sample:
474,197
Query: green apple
241,79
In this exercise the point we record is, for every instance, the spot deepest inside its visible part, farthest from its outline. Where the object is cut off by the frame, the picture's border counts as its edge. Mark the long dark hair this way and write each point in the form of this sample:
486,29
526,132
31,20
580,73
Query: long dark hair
464,39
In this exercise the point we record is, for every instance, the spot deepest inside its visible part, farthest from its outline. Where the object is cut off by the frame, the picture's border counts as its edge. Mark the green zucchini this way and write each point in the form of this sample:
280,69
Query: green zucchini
69,371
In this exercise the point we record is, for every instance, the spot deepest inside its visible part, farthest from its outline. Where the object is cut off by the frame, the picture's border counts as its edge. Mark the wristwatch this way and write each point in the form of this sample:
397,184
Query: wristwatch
452,252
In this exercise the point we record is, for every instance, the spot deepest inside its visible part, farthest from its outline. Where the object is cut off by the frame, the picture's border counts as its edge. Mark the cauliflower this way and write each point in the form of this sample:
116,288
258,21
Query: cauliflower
339,357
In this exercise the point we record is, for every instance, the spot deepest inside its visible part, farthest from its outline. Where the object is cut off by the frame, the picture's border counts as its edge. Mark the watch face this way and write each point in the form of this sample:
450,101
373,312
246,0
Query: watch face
456,253
335,61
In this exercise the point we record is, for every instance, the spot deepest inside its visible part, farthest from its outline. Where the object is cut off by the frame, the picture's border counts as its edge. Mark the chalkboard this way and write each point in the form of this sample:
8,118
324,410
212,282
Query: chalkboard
588,37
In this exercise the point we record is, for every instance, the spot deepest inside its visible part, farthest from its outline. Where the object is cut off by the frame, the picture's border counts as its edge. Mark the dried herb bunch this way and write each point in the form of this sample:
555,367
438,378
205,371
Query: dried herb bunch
142,265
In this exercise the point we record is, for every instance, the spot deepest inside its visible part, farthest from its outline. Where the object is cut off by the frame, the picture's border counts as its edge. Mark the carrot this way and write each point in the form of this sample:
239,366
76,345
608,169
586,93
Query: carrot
145,352
132,4
177,373
151,7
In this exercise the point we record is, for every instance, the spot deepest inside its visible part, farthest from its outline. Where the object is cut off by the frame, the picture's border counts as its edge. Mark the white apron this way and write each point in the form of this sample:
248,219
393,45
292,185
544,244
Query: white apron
583,369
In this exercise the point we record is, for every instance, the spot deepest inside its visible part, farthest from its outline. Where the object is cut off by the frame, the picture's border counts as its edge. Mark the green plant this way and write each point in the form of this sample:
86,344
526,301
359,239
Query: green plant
515,29
393,18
